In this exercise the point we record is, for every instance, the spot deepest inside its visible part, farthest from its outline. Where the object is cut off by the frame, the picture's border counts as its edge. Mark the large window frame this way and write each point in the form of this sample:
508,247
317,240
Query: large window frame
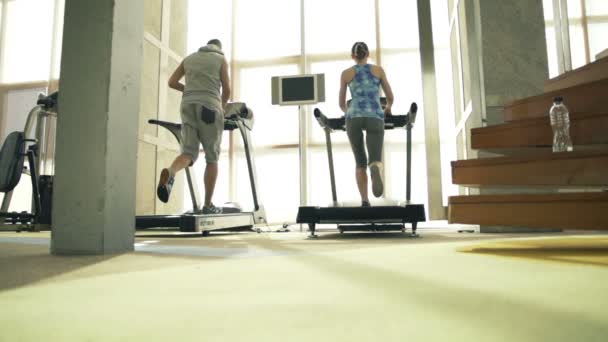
306,143
562,17
50,81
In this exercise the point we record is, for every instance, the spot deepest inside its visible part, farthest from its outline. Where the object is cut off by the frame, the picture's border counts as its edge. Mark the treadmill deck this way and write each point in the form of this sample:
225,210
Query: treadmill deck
197,222
363,218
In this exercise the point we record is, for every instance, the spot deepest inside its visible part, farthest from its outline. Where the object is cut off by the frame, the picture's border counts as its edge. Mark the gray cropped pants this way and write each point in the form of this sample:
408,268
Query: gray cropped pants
374,139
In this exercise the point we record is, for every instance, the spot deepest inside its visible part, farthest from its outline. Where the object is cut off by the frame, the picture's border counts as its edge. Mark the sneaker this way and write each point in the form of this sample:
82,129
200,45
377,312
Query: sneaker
376,175
365,204
165,184
211,210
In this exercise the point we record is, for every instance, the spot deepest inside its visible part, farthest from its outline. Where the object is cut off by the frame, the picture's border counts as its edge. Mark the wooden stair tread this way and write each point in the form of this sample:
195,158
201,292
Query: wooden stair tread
528,122
531,198
556,211
552,156
583,98
587,73
585,129
579,168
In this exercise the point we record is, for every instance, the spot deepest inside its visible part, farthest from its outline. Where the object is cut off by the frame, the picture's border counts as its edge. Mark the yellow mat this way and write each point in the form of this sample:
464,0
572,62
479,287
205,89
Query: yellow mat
591,250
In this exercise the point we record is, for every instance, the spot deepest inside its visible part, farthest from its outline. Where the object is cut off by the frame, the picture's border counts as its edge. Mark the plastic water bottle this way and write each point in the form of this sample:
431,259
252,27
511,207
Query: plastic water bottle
560,123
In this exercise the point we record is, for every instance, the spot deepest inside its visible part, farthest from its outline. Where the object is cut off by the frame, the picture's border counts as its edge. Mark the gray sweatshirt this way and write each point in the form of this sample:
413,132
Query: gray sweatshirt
203,81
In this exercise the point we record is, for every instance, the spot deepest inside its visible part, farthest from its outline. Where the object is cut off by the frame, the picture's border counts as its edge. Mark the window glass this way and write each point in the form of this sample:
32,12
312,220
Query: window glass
274,125
577,46
597,7
344,170
259,37
395,169
278,174
27,49
333,71
597,38
399,24
334,26
552,52
58,37
203,27
403,73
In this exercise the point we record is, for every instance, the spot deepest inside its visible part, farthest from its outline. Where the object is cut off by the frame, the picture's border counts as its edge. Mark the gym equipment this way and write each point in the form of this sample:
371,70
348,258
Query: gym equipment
237,116
15,149
376,218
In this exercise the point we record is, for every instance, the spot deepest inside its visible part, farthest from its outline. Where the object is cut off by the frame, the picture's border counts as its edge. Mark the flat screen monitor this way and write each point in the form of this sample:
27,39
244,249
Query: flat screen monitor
298,89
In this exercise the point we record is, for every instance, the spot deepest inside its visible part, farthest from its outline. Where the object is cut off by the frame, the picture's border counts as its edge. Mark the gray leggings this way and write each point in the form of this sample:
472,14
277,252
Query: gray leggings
374,127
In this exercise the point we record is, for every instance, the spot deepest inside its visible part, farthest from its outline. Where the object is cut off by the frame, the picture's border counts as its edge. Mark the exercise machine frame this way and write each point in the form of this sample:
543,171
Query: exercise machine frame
193,220
36,153
376,218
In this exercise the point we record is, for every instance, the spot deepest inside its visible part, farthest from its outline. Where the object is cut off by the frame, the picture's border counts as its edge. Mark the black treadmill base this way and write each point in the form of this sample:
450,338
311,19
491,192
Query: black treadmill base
370,227
357,218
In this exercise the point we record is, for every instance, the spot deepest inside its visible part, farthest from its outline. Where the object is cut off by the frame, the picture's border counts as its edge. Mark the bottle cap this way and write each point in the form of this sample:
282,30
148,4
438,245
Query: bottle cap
558,99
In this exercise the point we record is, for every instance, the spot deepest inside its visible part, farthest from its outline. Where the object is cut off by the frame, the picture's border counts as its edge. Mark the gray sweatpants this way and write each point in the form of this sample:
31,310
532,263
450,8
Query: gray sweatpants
374,139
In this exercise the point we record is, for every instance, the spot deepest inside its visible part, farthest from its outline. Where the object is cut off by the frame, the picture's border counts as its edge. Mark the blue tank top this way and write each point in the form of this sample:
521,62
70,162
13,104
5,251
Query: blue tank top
365,93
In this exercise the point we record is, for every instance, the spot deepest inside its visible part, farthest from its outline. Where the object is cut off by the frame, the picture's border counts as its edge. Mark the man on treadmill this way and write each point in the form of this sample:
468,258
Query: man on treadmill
204,99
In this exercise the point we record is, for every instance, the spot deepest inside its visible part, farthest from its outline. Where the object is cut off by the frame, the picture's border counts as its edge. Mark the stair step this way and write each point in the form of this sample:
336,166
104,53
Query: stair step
549,169
594,71
584,98
560,211
585,129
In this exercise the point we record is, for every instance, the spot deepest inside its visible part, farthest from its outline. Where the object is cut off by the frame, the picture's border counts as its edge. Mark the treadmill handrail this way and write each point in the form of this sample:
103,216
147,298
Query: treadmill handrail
242,120
390,121
173,127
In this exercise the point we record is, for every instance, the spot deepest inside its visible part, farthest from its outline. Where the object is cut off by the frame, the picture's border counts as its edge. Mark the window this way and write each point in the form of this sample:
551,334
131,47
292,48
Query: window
333,26
274,125
266,48
259,38
204,25
28,47
587,31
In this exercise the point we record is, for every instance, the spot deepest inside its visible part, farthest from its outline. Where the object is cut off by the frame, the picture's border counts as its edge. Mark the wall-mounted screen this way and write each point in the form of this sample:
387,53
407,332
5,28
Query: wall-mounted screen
298,89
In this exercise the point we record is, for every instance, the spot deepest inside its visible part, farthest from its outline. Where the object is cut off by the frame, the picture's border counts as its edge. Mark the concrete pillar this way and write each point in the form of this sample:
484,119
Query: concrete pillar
514,51
514,66
94,194
431,114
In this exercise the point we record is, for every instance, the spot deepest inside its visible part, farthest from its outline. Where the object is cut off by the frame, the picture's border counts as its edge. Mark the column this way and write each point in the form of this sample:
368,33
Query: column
96,151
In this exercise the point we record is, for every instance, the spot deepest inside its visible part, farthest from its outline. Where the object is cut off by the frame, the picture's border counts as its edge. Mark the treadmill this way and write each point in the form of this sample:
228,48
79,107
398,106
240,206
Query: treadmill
238,116
375,218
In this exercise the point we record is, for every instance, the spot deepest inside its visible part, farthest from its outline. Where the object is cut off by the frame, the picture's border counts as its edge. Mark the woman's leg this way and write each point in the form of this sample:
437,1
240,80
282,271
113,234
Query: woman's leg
355,136
375,141
361,176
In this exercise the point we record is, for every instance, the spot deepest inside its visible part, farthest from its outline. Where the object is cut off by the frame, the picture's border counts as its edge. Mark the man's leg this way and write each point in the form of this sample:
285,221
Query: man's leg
211,138
167,176
211,171
189,147
181,162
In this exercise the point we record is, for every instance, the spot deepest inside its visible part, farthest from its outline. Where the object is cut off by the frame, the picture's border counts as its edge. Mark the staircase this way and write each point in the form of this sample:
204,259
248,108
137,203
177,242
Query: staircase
524,140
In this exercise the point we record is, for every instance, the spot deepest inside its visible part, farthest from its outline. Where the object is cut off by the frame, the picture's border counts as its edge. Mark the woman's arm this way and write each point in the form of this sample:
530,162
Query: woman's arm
387,91
174,80
343,85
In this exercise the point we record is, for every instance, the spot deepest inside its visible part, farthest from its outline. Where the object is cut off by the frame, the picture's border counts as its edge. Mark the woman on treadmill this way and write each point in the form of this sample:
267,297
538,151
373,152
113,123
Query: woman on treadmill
365,113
